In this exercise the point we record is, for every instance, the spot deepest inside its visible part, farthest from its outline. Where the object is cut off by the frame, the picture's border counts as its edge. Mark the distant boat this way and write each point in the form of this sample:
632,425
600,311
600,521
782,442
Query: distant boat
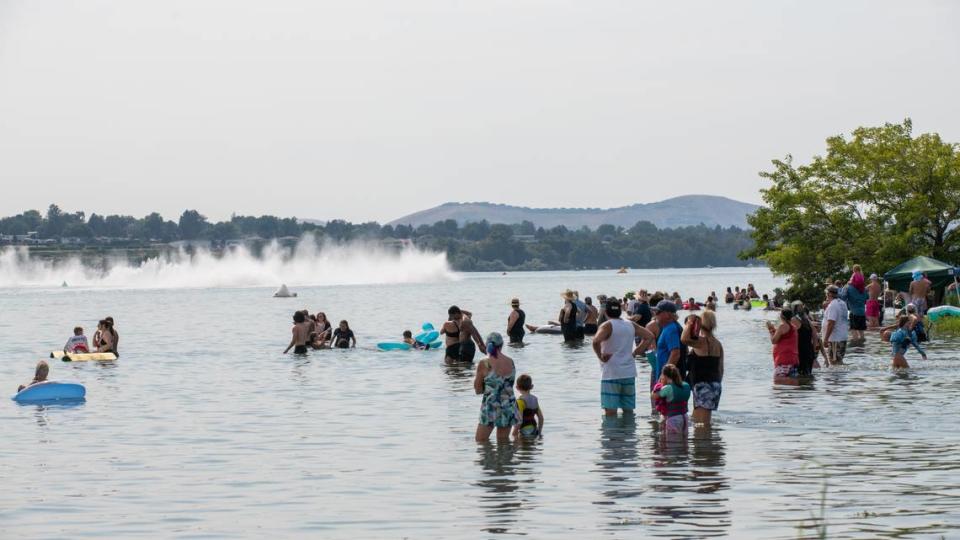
64,284
284,292
622,270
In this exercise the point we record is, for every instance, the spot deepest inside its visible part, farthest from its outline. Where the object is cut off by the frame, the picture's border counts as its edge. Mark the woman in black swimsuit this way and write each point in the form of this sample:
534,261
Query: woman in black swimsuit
459,332
323,332
343,336
108,337
568,317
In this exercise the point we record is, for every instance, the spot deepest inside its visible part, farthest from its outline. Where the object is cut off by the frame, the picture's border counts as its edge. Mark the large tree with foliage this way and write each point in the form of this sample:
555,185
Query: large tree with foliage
876,198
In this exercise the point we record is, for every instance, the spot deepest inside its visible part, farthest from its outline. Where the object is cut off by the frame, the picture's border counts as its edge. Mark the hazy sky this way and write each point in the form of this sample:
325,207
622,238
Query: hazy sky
368,110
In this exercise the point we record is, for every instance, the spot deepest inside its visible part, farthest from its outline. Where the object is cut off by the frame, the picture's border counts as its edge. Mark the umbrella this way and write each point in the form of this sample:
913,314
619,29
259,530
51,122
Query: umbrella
939,273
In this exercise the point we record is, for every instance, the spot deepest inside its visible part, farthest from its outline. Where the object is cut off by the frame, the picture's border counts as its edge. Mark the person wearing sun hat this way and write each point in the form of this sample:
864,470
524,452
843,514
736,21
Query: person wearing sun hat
568,316
515,322
835,326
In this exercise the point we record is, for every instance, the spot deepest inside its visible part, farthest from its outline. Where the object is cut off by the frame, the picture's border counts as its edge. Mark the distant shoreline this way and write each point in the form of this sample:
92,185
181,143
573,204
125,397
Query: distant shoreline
99,256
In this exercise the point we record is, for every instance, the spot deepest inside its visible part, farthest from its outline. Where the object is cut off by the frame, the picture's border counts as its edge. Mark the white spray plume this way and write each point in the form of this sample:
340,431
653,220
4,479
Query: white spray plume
355,263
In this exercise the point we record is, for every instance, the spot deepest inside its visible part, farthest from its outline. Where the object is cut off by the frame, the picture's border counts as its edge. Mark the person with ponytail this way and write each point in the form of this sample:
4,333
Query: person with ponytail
494,380
670,396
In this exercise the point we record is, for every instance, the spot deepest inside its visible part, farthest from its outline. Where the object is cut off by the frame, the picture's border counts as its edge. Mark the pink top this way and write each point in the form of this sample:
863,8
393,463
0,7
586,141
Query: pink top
659,403
785,351
858,282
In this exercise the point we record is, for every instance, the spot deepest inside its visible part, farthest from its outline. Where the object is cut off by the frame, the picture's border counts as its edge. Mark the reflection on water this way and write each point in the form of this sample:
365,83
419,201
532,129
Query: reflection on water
618,458
663,486
509,473
689,483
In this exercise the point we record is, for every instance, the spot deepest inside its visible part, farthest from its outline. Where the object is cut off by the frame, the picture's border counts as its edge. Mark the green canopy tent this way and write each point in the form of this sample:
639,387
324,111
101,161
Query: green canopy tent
939,273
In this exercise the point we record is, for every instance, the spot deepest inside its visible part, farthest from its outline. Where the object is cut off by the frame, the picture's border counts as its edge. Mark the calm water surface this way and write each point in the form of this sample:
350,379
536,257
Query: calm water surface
204,430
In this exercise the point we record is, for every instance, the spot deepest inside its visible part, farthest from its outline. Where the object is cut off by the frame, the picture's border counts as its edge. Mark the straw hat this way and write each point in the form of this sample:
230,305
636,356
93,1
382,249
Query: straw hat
568,295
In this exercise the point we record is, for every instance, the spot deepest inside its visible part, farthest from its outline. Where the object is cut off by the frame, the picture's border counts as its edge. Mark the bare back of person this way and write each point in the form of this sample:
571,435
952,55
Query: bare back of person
919,289
466,329
874,290
593,314
301,333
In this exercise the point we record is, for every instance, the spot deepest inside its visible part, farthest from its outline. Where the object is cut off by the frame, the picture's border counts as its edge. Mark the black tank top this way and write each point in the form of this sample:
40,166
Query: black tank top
571,321
517,327
805,342
703,368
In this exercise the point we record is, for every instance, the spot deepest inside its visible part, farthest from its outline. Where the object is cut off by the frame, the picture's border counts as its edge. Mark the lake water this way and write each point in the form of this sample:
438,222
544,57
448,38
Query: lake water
203,429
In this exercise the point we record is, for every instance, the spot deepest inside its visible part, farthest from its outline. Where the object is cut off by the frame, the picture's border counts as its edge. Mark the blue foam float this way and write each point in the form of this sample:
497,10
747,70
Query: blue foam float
943,311
51,391
427,337
400,346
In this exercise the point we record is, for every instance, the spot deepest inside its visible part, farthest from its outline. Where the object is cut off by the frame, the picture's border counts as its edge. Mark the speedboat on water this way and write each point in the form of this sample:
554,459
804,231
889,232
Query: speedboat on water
284,292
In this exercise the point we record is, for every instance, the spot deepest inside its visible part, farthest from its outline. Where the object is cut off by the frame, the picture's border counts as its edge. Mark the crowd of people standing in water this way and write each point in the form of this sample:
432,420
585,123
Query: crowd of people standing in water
685,357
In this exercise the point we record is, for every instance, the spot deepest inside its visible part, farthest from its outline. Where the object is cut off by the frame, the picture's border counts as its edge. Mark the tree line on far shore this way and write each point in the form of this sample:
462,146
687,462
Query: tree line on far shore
477,246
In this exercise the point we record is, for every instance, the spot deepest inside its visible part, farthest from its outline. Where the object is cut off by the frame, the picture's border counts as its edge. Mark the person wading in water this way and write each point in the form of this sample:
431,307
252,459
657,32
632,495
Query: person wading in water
568,317
615,347
515,322
459,331
590,324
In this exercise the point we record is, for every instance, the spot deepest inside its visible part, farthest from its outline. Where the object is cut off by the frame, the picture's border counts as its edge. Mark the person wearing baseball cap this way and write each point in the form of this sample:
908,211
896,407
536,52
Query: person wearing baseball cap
615,348
669,348
836,326
515,322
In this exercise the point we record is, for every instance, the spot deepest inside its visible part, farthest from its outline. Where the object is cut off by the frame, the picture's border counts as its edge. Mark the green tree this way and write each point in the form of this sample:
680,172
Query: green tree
876,198
54,224
223,231
153,226
192,225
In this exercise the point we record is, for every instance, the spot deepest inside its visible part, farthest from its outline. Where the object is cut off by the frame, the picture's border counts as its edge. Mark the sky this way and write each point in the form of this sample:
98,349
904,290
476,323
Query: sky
370,110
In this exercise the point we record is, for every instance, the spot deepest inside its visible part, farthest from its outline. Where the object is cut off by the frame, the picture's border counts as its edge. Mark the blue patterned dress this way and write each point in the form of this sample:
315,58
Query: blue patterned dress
499,406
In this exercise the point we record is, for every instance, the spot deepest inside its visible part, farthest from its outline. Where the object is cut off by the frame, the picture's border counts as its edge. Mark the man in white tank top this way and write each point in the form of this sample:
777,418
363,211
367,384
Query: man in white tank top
614,347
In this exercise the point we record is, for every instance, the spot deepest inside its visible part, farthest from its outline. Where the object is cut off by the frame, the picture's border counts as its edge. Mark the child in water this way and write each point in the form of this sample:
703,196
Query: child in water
408,339
670,396
531,416
39,375
343,336
77,342
900,341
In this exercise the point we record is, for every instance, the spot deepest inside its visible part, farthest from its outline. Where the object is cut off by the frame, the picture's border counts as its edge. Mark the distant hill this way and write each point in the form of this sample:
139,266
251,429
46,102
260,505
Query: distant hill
671,213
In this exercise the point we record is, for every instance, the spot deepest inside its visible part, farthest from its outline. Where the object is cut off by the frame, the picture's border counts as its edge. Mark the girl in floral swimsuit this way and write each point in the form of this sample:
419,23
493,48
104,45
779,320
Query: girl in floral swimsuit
495,379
